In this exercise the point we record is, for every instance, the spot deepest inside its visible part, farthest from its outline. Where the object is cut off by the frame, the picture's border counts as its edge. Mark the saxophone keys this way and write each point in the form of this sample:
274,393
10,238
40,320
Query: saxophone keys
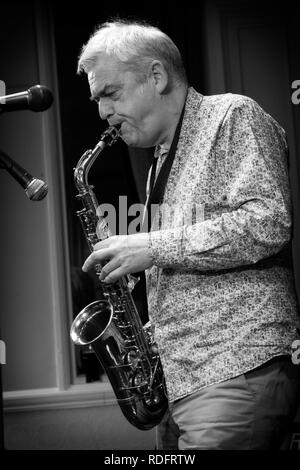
132,281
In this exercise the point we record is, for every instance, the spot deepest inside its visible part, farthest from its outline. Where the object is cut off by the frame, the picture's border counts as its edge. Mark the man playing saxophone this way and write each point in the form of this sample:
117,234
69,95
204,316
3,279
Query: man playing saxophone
220,284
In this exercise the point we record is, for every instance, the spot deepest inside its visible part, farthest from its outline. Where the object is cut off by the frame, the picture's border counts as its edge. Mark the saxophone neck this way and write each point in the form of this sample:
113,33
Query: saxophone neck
81,172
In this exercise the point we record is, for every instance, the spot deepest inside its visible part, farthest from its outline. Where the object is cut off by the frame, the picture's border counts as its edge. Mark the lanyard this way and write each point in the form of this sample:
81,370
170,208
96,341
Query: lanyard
158,189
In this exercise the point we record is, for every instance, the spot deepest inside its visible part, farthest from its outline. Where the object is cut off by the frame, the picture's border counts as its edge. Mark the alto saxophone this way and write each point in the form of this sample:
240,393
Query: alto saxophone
112,326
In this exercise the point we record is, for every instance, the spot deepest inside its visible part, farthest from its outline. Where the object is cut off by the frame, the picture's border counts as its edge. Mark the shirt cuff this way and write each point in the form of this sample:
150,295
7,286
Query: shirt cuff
165,246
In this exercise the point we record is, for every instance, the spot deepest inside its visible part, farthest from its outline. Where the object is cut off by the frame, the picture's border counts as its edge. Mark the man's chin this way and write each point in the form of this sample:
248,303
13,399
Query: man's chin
128,139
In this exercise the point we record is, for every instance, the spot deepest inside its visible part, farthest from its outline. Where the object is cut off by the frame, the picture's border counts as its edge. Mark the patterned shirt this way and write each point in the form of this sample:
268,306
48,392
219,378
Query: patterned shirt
221,292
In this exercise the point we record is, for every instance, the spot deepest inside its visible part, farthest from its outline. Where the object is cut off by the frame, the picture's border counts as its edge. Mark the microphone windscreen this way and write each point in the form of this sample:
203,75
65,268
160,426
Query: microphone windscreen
40,98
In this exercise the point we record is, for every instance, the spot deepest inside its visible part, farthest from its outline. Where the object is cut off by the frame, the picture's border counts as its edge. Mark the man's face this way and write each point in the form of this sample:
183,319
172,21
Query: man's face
122,100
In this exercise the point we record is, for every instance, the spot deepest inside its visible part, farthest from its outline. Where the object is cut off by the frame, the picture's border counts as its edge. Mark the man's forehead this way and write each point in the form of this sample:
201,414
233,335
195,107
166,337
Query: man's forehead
105,70
98,82
92,78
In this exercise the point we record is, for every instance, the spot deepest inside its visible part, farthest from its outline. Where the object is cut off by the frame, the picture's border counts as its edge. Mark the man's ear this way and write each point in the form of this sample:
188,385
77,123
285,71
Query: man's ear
160,76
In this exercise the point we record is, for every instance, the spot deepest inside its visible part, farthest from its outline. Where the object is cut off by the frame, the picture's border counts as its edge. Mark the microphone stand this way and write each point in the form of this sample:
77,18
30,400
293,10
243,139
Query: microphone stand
39,191
41,99
1,389
35,188
2,166
1,413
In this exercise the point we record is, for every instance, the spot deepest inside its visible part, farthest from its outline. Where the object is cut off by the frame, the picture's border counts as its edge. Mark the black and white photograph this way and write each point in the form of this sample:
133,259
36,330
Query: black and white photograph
150,228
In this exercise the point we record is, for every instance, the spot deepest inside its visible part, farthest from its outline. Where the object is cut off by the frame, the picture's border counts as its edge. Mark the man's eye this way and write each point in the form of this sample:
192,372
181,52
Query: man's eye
112,95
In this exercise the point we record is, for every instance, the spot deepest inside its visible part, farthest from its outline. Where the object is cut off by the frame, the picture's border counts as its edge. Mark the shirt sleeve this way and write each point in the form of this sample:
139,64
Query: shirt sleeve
257,221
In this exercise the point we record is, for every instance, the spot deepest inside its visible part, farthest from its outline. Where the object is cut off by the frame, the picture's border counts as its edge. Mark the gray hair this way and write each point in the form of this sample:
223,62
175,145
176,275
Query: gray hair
135,45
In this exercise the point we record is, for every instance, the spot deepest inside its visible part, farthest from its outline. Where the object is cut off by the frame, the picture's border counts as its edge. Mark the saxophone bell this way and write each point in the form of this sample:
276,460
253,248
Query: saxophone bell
91,323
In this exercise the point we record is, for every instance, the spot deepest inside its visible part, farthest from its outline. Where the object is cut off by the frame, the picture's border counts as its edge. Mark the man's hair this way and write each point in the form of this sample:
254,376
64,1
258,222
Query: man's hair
135,45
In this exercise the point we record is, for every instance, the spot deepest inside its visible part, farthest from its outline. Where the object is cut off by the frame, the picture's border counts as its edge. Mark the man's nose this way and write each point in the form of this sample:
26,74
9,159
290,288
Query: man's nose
106,108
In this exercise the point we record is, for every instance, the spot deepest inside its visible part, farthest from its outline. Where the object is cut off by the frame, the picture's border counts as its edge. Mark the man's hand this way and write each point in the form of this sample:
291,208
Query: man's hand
120,255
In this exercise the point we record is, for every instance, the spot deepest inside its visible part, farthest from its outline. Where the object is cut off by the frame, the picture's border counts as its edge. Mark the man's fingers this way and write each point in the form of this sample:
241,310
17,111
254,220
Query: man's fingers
96,257
114,275
111,266
103,243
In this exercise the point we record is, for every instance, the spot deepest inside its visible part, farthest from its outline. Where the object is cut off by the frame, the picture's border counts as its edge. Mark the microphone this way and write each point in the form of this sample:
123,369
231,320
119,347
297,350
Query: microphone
35,189
36,98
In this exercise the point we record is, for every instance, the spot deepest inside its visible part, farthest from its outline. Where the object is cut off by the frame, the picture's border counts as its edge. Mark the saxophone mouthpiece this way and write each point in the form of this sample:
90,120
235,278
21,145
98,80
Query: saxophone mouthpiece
117,128
111,135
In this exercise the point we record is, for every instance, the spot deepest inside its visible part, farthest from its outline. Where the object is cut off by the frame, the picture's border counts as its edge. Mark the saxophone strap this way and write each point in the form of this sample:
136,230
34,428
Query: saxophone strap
157,188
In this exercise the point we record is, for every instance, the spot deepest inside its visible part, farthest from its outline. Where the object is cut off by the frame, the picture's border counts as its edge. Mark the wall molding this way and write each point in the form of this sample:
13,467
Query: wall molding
77,396
57,208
